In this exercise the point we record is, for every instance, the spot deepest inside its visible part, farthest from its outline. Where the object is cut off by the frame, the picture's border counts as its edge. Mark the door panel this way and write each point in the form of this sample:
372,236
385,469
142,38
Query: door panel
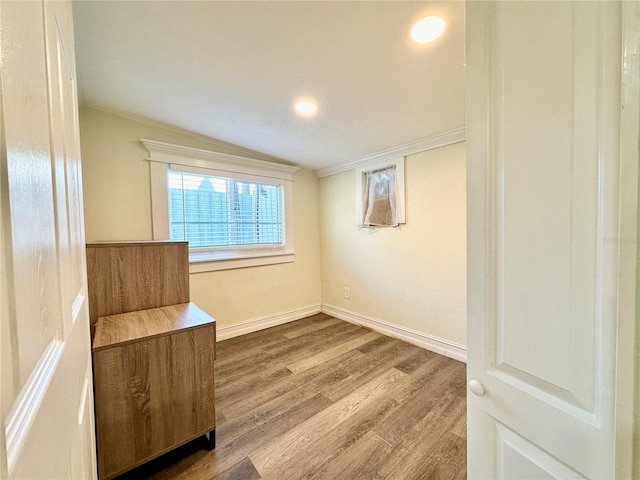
47,392
543,130
520,459
547,230
67,179
28,170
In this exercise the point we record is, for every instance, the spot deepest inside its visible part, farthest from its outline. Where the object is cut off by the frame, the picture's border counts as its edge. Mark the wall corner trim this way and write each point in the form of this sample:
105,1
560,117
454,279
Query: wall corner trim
423,340
267,321
428,143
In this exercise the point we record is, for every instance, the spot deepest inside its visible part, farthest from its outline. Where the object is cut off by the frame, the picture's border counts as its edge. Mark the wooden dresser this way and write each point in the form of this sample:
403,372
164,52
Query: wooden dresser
153,353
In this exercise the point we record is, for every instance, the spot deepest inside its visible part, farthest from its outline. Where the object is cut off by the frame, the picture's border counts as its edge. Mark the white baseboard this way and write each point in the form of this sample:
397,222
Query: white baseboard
429,342
260,323
435,344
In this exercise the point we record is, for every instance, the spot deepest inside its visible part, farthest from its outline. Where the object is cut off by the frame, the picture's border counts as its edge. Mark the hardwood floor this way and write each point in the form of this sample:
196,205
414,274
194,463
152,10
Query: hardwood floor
320,398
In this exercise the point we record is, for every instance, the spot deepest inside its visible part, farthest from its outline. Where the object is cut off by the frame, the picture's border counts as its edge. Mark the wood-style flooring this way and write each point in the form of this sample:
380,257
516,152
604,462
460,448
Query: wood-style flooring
320,398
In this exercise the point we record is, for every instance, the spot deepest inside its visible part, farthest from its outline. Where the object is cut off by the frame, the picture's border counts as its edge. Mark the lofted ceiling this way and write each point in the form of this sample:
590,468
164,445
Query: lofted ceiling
232,71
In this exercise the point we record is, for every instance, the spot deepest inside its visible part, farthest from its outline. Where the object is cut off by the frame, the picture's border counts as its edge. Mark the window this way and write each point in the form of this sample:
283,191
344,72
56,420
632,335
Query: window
380,194
234,212
213,211
379,198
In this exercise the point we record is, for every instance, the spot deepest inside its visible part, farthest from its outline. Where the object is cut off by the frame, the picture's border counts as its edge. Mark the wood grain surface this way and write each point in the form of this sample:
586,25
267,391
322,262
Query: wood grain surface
131,326
152,395
130,276
324,399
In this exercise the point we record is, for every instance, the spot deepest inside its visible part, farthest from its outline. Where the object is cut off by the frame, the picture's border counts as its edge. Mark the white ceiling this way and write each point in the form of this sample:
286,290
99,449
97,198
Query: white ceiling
232,70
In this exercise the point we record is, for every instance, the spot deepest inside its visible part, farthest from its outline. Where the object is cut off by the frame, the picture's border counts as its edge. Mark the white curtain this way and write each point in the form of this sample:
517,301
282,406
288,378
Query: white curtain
379,198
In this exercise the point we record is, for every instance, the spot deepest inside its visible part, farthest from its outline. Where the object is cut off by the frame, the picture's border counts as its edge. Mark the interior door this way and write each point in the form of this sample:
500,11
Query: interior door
548,283
47,399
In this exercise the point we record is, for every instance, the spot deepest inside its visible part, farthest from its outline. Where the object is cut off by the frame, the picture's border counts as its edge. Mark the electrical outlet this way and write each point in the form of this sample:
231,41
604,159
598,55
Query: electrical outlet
347,292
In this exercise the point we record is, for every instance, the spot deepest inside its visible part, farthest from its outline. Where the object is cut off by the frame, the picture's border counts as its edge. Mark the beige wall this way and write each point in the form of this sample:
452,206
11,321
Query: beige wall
413,276
118,207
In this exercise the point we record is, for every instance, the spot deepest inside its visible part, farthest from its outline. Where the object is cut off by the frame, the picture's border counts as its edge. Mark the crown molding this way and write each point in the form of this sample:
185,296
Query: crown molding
434,141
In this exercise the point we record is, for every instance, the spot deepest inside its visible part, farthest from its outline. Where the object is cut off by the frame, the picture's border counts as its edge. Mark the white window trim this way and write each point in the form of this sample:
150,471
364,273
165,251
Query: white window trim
163,155
361,173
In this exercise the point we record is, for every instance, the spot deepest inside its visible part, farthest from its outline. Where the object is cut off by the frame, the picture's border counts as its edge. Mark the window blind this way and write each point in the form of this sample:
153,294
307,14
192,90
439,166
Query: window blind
217,211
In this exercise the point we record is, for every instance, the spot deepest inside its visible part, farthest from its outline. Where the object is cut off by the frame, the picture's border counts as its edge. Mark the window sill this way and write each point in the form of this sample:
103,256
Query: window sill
211,262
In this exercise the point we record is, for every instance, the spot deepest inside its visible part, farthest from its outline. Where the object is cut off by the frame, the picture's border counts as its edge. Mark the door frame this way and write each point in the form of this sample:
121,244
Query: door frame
628,338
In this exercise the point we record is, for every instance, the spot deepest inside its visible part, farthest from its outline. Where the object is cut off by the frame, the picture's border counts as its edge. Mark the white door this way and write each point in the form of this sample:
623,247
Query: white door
552,196
47,399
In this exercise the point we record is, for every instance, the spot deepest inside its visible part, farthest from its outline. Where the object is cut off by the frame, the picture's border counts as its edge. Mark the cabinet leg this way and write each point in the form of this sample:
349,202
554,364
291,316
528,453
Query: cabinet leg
211,439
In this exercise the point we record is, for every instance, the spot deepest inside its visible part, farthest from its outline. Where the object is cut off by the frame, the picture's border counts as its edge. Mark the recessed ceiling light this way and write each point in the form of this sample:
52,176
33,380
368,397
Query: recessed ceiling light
306,108
428,29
